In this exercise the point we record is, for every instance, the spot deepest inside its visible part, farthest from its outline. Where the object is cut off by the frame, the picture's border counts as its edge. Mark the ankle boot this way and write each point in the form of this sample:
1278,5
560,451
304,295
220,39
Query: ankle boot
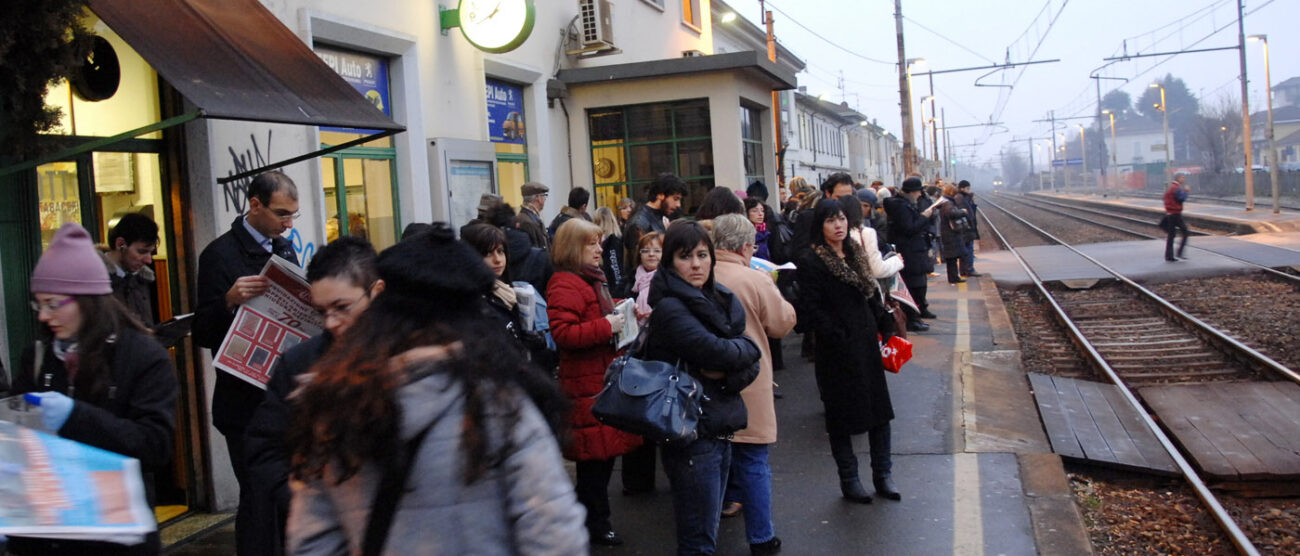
853,491
885,488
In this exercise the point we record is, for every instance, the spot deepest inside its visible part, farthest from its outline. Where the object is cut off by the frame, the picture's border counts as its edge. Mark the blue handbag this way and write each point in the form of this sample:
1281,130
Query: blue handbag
653,399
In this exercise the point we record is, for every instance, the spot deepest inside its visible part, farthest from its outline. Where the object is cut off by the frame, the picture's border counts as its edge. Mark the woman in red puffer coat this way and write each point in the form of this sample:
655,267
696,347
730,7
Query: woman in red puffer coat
583,322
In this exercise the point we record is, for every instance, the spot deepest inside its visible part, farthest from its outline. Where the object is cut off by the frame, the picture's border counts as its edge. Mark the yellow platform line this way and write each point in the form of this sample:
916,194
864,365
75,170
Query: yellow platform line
967,514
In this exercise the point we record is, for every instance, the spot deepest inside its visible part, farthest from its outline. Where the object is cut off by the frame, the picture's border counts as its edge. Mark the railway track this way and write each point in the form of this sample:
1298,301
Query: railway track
1133,337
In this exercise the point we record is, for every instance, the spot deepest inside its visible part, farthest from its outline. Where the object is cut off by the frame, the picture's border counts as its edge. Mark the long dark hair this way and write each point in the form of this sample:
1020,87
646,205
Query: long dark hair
103,318
824,210
349,414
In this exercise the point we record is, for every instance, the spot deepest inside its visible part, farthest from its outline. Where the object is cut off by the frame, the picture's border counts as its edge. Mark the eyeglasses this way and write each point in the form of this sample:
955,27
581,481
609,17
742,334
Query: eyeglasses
344,309
285,215
652,251
52,306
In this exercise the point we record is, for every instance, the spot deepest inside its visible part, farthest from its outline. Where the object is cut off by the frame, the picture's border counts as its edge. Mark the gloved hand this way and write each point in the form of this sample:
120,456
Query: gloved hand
55,408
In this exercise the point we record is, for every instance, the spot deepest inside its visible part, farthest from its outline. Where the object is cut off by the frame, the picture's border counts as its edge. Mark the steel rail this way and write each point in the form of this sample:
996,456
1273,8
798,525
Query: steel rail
1220,514
1034,202
1253,355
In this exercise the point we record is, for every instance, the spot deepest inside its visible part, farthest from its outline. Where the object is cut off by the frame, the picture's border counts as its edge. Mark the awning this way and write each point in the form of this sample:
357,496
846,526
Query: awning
234,60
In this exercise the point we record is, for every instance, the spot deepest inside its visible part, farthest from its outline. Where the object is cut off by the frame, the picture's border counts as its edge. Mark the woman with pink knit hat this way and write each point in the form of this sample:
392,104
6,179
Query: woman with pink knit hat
99,376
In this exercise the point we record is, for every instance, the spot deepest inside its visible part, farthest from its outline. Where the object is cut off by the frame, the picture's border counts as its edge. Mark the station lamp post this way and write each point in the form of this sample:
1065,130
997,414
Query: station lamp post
909,142
1268,131
1083,153
1164,110
1114,146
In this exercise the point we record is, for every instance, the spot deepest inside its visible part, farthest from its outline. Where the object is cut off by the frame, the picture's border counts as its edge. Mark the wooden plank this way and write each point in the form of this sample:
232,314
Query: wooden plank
1284,398
1054,420
1094,446
1144,440
1163,401
1226,429
1112,430
1266,433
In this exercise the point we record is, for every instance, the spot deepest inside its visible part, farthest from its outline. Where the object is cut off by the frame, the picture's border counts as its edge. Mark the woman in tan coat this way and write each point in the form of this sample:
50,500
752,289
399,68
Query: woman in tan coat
767,315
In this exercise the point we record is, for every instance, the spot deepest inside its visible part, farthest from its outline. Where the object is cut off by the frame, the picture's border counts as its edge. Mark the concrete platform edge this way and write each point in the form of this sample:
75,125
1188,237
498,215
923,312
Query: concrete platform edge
1058,524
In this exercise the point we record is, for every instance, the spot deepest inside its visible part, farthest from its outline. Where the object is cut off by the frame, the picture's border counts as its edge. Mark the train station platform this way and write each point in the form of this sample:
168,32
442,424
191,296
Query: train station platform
1143,260
971,458
1198,214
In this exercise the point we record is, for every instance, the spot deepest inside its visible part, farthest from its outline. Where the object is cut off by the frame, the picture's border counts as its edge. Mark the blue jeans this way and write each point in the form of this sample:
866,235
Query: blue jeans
751,485
697,473
968,257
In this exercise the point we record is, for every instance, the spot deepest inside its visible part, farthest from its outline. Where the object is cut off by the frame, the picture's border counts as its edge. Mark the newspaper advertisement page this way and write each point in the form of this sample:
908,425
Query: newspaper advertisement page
51,487
269,324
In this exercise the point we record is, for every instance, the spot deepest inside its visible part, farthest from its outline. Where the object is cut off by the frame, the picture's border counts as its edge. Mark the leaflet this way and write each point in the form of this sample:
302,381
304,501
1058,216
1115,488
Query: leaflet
268,325
631,329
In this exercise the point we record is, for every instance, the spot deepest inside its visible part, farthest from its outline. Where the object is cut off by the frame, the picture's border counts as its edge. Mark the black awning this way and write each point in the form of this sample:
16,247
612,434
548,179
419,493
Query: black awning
234,60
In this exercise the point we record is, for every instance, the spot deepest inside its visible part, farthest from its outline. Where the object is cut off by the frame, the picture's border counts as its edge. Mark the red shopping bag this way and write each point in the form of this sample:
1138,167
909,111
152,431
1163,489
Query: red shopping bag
895,353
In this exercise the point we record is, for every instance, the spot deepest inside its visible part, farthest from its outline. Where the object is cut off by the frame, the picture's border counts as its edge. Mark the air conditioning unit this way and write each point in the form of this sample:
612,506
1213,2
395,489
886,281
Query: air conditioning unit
595,26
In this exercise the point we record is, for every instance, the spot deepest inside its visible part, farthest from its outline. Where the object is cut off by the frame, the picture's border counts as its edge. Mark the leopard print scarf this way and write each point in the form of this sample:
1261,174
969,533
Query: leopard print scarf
851,269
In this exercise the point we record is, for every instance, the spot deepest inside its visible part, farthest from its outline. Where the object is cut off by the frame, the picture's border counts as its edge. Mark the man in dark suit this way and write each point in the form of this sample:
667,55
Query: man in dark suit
228,273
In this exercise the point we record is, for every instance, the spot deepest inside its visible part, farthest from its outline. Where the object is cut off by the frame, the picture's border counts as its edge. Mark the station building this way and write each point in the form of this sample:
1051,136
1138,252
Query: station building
383,116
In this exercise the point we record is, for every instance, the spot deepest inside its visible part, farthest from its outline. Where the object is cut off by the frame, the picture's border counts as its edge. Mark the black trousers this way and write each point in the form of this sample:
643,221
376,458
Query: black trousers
592,488
953,276
1176,226
917,285
246,539
639,469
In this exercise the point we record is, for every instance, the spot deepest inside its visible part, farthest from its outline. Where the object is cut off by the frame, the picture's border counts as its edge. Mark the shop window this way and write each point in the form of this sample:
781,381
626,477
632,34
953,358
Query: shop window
751,139
360,183
631,145
508,133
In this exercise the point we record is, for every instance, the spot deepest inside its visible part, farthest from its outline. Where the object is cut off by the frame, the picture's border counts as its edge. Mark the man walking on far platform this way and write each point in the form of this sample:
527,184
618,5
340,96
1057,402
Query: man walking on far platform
1173,222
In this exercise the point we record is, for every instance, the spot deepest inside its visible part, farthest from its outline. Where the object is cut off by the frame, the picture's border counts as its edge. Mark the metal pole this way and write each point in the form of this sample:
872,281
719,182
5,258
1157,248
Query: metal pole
1245,108
1272,143
1114,148
934,131
1164,110
905,94
778,137
1083,145
1051,116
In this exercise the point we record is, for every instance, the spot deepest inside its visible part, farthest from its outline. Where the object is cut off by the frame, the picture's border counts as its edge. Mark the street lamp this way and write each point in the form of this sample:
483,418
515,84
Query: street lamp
728,17
925,149
1083,146
909,144
1164,110
1114,146
1272,143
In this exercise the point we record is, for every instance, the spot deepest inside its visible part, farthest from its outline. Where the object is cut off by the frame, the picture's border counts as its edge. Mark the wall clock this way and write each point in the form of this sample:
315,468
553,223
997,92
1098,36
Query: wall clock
99,74
492,25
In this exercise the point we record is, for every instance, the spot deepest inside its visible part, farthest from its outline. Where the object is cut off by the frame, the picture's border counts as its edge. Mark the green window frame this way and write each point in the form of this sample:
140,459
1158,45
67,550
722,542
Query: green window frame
686,146
369,153
751,143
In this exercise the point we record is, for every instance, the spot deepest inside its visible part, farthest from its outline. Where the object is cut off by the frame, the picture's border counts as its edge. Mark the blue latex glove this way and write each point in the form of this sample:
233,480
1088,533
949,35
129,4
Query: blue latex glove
55,408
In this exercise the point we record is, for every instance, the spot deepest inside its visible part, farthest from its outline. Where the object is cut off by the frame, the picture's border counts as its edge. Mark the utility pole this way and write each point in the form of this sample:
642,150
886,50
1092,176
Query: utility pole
943,121
905,94
1051,117
934,130
1245,108
778,139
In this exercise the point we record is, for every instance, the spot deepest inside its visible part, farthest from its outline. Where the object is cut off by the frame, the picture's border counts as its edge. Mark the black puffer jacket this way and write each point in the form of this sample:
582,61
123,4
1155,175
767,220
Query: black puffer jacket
704,329
527,263
907,231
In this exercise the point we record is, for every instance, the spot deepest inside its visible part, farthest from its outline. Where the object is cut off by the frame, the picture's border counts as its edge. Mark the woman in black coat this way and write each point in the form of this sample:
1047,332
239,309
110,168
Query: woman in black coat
909,227
954,229
701,325
842,304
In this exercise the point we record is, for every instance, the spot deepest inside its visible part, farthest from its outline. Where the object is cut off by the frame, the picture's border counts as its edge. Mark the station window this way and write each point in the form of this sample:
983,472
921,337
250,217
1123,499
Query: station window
751,138
360,182
631,145
691,13
506,129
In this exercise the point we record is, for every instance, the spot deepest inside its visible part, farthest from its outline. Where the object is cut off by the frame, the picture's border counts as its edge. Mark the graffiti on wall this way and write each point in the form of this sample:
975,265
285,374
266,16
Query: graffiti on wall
234,193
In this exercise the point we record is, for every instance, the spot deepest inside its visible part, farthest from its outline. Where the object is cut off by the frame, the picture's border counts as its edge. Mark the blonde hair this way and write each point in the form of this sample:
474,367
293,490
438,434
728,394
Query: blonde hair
607,221
570,239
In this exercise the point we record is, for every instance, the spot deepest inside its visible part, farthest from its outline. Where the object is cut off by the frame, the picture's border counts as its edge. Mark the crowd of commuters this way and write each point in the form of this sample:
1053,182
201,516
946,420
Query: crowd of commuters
454,376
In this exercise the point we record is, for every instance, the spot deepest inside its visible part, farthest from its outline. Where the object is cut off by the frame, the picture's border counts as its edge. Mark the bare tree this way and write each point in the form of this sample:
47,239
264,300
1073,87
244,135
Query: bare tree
1216,135
1014,167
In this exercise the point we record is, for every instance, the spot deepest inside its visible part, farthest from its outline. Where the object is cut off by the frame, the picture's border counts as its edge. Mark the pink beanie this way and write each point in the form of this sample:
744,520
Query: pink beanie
71,265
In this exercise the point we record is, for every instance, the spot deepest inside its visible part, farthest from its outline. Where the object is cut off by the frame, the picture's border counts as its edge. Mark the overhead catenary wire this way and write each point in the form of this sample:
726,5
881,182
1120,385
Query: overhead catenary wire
950,41
826,40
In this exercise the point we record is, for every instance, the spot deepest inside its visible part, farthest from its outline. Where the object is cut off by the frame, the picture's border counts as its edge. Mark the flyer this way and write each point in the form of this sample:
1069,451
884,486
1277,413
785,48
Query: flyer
631,329
269,324
51,487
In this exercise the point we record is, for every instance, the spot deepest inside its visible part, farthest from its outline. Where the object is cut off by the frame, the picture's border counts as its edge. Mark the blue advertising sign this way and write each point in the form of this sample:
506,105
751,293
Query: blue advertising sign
1074,162
1058,162
366,73
505,107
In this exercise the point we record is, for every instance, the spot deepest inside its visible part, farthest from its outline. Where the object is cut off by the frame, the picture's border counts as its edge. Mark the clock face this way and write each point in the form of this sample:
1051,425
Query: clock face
496,25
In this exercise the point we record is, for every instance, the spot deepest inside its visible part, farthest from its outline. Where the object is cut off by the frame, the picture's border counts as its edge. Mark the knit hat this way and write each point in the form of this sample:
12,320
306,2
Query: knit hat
884,193
433,263
71,265
757,190
866,196
912,184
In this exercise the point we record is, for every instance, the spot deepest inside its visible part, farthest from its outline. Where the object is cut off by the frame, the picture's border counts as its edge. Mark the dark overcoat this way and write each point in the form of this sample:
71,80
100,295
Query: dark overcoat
907,231
952,241
849,373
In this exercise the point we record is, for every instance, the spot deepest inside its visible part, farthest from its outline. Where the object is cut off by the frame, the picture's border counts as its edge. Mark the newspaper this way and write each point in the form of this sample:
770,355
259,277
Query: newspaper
269,324
51,487
631,329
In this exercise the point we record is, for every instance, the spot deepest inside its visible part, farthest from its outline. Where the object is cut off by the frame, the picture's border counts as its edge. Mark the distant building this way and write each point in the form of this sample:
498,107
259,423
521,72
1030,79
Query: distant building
1137,141
1287,93
1286,130
832,137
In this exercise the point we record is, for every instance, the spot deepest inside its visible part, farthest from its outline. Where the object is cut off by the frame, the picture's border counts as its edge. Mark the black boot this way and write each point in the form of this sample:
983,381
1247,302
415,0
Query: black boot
885,488
853,491
770,547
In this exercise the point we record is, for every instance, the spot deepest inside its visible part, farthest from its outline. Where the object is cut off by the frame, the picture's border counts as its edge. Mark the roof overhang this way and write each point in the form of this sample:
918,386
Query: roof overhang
233,60
750,62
